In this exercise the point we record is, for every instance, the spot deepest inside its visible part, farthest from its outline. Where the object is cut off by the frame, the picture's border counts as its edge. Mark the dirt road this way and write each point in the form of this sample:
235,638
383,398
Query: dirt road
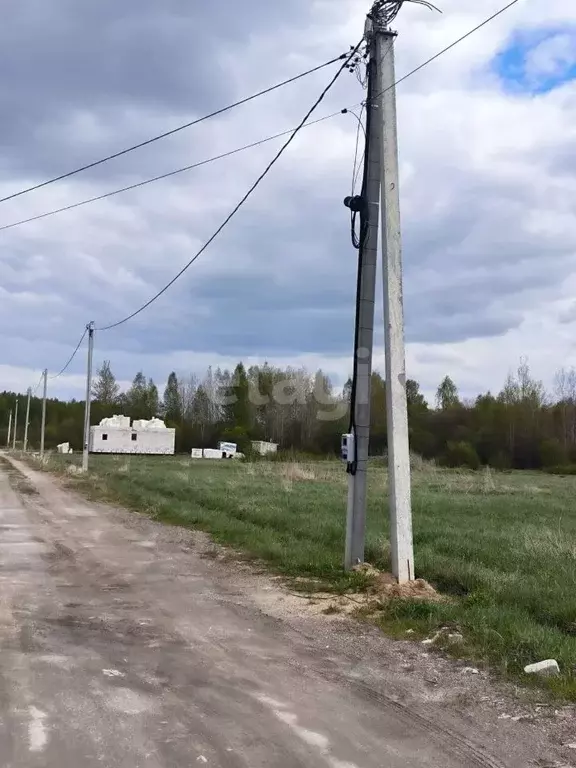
120,645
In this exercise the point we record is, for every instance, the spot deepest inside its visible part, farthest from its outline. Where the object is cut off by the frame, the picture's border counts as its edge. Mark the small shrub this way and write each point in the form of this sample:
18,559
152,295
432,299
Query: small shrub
561,469
500,460
461,454
552,453
419,464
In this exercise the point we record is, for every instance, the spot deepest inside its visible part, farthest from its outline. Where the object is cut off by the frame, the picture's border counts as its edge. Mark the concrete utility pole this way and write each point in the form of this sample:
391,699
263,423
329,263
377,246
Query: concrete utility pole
357,484
396,401
43,427
88,395
15,426
9,430
27,419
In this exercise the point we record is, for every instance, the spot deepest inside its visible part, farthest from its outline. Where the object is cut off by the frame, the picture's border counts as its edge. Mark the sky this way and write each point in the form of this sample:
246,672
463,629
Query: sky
487,142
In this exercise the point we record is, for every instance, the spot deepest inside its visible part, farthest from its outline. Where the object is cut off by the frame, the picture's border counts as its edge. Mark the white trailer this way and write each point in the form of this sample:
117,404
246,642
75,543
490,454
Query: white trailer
115,435
229,450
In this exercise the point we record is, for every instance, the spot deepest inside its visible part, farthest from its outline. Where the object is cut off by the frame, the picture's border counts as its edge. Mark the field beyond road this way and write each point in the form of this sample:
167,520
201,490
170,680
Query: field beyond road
500,546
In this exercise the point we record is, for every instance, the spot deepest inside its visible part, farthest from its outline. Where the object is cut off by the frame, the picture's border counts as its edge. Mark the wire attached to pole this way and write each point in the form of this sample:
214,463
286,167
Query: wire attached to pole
256,143
248,194
174,130
385,11
358,207
72,356
367,102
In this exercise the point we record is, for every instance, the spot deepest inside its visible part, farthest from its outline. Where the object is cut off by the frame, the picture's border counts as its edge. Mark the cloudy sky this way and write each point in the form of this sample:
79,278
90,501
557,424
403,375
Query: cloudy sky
488,162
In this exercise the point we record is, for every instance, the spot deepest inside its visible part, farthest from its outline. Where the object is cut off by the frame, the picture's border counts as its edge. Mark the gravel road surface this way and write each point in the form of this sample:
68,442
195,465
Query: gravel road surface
123,645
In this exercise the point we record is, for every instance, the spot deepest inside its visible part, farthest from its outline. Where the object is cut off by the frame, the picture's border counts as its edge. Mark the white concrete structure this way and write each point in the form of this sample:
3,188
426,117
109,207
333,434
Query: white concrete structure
116,422
115,435
263,448
212,453
64,448
224,451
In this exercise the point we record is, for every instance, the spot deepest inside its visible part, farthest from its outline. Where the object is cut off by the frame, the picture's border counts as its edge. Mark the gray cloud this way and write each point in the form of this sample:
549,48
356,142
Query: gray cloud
88,78
75,72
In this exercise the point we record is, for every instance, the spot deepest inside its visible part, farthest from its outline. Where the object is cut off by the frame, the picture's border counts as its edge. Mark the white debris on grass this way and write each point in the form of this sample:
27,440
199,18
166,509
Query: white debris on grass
113,673
547,668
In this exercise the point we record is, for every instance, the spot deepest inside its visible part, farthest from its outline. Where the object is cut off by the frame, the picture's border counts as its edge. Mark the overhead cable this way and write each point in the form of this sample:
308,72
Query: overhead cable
247,146
385,11
248,194
358,162
199,164
452,45
40,382
72,356
409,74
174,130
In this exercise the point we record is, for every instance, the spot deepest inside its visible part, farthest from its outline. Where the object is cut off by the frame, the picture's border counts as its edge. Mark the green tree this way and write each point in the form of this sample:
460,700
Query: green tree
378,422
152,399
137,397
447,394
105,389
240,408
416,400
553,453
172,401
201,412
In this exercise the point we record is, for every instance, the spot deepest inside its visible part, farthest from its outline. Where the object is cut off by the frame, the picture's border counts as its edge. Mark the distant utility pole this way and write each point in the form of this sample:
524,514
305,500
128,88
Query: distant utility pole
15,426
364,337
9,430
43,427
27,419
396,402
90,328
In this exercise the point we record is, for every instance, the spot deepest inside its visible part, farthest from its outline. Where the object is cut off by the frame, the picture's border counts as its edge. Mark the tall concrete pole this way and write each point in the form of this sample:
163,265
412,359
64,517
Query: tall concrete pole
15,426
396,402
358,478
9,430
27,419
88,395
43,427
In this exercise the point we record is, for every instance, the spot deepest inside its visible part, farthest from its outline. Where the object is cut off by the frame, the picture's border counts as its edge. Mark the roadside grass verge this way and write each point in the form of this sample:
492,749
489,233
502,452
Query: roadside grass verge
500,546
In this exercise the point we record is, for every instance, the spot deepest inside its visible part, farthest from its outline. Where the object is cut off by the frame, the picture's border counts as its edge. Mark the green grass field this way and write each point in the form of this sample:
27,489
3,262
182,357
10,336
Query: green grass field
501,546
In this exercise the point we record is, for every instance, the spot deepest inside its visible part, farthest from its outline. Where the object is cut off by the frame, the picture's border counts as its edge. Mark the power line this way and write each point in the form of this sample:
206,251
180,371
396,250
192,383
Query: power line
452,45
164,175
385,11
174,130
254,186
357,167
72,356
302,125
40,382
246,146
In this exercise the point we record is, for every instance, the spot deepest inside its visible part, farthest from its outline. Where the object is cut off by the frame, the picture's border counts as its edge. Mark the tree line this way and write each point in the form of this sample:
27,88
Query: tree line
522,426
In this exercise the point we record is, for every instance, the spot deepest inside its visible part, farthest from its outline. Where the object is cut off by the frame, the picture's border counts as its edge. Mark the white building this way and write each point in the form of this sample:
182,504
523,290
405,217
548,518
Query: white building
263,448
115,435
